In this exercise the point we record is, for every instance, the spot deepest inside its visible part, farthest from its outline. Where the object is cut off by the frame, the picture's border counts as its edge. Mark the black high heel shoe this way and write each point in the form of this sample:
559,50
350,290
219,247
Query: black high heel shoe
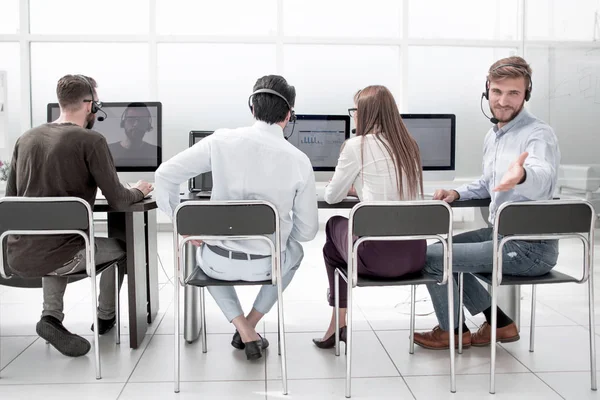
329,343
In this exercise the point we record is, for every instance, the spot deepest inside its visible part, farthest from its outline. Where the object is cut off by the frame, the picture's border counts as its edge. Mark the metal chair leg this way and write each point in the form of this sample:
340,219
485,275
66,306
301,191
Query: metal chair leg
177,340
203,319
532,327
117,303
494,290
460,313
278,332
411,350
349,339
336,310
96,335
281,325
592,332
450,289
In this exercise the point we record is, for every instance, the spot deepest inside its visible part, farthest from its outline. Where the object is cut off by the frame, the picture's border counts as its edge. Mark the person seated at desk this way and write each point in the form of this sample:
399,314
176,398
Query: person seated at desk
66,158
136,122
520,163
251,163
381,163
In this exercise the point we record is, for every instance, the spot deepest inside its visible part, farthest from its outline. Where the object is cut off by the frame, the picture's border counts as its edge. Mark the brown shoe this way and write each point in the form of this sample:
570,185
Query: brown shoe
439,339
483,336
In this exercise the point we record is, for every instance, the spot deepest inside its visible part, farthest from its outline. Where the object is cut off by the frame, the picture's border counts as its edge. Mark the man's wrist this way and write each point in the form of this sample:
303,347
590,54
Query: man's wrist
457,194
524,176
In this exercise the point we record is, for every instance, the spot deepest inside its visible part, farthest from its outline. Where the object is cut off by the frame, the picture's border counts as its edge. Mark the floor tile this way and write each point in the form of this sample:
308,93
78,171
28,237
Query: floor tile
326,389
571,385
476,387
90,391
195,390
307,361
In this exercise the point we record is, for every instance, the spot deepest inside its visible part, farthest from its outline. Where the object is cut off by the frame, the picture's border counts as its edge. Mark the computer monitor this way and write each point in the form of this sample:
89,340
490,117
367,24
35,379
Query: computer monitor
136,123
320,137
436,136
202,182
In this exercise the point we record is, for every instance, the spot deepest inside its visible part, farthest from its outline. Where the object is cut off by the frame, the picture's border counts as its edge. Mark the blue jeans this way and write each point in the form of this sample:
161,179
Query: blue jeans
472,253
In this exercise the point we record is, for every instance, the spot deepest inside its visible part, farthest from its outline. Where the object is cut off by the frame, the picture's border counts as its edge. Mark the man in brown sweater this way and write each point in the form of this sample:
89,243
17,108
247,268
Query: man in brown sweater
66,158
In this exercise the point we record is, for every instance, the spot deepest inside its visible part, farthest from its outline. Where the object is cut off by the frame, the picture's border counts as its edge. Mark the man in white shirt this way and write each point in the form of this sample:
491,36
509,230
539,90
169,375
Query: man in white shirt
250,163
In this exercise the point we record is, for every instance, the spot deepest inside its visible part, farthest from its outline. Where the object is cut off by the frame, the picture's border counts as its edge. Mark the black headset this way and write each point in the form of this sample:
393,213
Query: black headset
273,92
149,126
522,68
95,105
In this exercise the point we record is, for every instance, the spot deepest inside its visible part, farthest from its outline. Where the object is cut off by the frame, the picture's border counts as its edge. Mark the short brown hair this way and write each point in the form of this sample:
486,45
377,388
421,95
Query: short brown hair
71,90
510,67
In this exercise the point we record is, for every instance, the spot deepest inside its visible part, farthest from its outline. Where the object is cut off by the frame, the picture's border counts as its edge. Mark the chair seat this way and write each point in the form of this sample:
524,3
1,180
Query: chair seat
199,278
31,283
549,278
418,278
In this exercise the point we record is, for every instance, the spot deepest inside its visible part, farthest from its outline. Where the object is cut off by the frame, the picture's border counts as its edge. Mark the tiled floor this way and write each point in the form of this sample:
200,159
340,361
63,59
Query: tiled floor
382,366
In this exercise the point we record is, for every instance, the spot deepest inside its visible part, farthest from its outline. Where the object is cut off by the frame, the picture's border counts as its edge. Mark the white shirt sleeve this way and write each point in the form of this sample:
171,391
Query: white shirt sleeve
305,212
346,171
179,169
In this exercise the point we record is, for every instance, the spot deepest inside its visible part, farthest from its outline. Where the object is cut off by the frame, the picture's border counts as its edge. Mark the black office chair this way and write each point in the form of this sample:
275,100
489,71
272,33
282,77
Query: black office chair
54,216
540,220
394,221
226,220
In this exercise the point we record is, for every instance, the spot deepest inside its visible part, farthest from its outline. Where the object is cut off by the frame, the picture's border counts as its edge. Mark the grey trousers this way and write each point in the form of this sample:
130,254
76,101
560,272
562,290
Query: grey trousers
108,250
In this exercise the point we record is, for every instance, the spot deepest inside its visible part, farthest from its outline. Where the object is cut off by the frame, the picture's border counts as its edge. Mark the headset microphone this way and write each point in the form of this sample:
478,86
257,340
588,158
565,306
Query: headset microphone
493,120
102,118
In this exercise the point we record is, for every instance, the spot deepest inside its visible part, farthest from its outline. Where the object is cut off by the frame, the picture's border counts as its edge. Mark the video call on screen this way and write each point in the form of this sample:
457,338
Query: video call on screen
136,123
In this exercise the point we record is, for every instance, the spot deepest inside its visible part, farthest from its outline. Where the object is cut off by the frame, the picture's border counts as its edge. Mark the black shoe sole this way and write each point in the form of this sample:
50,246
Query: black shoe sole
67,343
106,328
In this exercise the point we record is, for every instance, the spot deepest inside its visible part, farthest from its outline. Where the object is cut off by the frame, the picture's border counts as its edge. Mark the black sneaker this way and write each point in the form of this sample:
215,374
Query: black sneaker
104,325
236,341
69,344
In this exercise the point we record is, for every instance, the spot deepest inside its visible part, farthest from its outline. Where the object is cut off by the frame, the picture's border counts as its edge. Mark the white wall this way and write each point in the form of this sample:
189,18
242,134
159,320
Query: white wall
201,59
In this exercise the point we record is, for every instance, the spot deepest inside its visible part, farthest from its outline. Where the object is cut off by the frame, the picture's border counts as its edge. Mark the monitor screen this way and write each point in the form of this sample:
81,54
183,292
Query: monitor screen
320,137
202,182
133,132
435,135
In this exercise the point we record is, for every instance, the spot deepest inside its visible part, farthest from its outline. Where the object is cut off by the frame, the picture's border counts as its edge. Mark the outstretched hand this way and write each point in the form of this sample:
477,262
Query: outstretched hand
514,175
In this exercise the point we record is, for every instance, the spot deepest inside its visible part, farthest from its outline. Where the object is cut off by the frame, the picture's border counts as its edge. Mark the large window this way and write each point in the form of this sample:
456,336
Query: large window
216,18
464,19
120,69
200,58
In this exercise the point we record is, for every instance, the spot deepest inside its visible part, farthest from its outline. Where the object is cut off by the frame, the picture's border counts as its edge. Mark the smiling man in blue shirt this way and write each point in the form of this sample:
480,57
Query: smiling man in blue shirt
520,163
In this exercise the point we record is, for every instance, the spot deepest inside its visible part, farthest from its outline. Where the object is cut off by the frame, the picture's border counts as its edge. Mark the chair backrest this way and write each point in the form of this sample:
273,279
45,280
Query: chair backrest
227,218
551,217
398,218
44,214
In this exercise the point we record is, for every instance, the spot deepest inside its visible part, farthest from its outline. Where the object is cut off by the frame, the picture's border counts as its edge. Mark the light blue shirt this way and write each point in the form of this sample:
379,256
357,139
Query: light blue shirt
502,147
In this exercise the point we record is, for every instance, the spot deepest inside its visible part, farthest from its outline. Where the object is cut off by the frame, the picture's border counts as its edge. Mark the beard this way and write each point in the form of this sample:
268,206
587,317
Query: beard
510,117
91,119
136,136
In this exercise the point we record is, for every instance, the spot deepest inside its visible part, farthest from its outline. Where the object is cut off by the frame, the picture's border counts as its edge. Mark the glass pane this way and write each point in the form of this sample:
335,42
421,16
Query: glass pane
223,17
566,94
327,77
122,72
563,20
11,106
206,87
78,17
343,18
9,16
436,85
464,19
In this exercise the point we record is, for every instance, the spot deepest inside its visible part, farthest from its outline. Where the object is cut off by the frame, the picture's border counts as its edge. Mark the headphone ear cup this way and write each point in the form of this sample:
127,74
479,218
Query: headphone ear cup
527,95
122,124
486,94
